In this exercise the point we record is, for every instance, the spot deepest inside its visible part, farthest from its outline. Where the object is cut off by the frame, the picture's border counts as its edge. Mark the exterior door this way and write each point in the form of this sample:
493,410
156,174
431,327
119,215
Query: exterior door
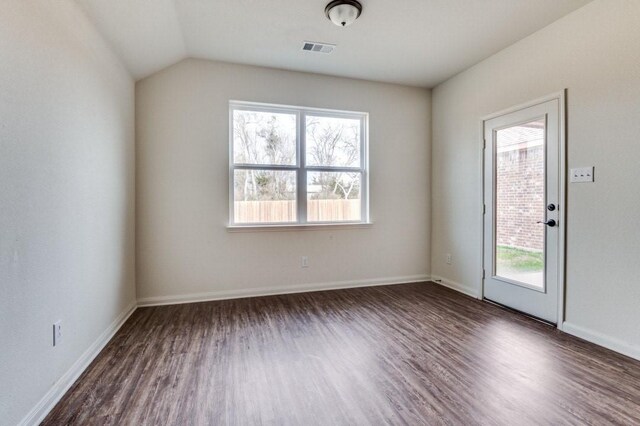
522,198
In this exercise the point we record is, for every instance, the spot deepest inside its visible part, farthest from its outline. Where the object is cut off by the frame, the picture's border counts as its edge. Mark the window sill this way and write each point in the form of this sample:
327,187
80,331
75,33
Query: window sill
299,227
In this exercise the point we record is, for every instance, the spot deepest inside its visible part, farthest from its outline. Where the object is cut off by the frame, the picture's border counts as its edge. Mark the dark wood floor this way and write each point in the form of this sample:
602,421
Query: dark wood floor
405,354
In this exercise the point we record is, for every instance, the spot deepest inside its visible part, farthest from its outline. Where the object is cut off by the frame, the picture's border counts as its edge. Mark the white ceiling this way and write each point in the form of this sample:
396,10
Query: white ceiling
415,42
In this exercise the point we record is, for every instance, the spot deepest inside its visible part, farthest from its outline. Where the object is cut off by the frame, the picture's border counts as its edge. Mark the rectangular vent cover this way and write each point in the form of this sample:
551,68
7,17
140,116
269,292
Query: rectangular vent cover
312,46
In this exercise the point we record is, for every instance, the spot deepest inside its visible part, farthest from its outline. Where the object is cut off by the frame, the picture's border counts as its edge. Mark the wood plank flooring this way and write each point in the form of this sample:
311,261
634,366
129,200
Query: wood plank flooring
405,354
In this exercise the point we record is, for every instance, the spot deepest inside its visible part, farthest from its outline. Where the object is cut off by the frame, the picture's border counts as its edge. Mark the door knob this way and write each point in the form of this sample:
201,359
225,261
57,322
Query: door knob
549,222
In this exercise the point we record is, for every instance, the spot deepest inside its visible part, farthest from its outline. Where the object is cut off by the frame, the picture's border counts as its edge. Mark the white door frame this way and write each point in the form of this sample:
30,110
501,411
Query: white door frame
562,213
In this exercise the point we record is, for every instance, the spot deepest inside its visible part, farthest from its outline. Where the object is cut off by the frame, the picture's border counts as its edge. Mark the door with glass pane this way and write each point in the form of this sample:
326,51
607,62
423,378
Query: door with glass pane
521,216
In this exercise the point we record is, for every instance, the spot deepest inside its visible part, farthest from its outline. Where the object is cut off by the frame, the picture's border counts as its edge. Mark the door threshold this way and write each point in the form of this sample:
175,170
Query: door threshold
507,308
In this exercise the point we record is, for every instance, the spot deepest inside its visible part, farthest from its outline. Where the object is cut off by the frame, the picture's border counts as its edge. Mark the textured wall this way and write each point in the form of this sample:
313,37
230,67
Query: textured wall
592,53
183,181
66,198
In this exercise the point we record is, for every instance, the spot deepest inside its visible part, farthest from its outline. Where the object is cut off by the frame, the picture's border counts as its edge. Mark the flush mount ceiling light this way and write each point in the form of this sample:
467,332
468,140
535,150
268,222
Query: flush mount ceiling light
343,12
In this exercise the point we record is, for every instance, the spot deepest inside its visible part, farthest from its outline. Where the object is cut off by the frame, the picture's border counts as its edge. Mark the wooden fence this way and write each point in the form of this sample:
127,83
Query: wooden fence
285,211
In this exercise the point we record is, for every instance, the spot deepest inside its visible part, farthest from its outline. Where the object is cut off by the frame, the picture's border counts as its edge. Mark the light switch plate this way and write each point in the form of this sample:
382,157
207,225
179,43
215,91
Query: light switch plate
581,174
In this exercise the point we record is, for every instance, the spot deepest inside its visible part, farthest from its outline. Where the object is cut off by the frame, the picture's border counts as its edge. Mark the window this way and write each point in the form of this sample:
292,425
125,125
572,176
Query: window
297,165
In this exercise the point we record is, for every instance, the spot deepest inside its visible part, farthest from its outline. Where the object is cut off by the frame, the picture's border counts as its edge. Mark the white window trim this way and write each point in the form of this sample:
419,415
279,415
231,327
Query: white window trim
300,167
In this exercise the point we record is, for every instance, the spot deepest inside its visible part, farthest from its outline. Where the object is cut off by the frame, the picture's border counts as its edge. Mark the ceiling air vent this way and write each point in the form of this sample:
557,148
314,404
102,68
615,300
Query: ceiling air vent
312,46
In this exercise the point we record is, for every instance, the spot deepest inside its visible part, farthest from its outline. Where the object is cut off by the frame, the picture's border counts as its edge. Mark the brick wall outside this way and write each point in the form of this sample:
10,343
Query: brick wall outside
520,198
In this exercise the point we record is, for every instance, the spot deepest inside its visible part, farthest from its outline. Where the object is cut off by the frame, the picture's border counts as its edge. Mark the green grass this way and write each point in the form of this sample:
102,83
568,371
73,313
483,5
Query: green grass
519,260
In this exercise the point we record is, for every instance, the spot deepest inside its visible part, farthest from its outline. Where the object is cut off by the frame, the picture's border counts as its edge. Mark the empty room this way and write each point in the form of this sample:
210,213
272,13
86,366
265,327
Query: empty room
244,212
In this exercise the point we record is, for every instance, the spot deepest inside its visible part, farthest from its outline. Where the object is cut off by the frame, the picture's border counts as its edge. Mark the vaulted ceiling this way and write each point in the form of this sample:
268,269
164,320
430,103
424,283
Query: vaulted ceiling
415,42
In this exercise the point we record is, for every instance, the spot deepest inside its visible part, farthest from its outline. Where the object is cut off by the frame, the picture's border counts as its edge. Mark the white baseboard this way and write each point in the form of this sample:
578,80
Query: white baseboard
595,337
268,291
57,391
600,339
465,289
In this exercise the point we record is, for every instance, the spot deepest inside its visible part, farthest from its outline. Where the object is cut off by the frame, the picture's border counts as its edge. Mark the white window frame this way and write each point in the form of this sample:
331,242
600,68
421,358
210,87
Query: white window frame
300,167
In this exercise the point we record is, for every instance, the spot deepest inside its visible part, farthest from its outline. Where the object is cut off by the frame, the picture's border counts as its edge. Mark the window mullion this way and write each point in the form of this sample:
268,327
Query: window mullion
302,170
364,165
264,167
335,169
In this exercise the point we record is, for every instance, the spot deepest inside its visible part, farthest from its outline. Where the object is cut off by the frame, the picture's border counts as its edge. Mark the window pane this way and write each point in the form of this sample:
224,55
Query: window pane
333,141
264,196
264,138
333,197
520,186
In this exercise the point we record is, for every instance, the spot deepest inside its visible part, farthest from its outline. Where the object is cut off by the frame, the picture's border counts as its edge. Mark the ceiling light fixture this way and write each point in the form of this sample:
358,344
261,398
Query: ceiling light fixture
343,12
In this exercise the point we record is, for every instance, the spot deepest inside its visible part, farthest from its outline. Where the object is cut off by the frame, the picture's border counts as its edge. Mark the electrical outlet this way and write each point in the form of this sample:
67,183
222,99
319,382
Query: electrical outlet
448,258
305,262
57,333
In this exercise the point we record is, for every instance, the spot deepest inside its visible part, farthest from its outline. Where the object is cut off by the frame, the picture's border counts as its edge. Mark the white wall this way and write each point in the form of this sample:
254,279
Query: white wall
183,246
66,196
594,53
